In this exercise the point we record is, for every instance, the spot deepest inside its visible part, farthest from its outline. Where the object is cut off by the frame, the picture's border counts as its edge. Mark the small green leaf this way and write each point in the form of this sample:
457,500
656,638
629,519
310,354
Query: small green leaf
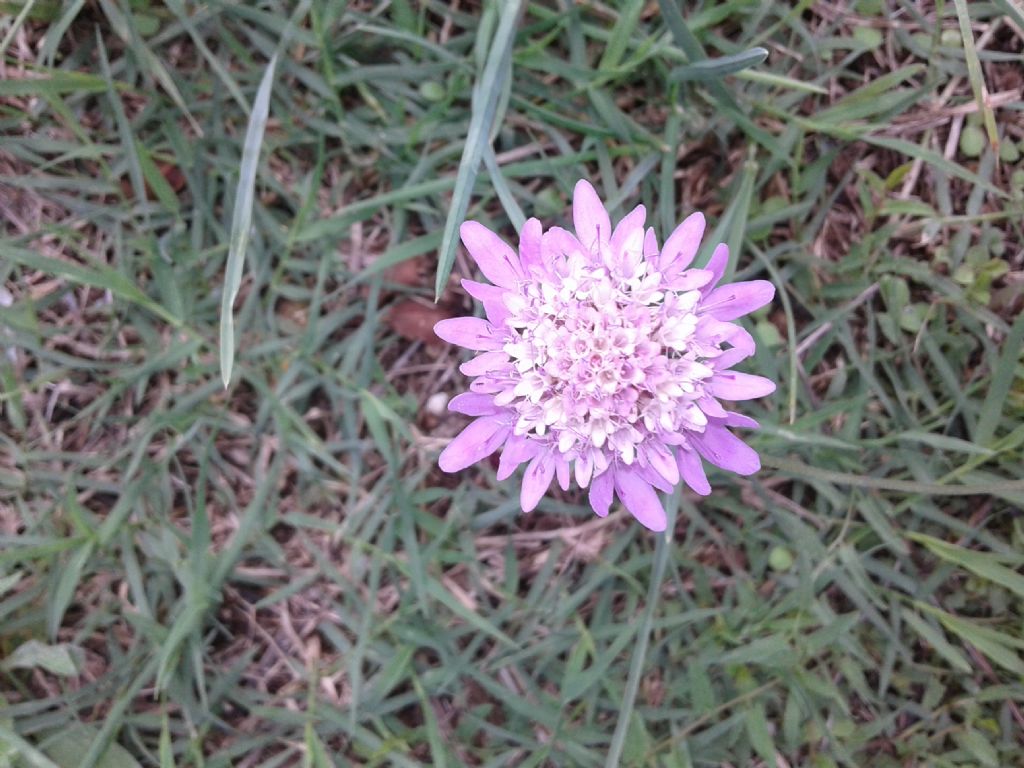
972,141
709,69
982,564
937,641
59,659
67,747
241,219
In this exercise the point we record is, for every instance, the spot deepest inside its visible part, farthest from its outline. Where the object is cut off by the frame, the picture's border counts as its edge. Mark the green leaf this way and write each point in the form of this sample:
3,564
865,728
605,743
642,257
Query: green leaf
241,219
982,564
67,581
994,644
66,748
9,581
937,641
980,747
485,103
974,73
710,69
1002,380
98,275
757,731
59,659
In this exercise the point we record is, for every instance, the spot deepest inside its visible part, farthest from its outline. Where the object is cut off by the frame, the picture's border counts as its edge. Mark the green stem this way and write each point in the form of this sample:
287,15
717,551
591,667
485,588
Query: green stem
636,664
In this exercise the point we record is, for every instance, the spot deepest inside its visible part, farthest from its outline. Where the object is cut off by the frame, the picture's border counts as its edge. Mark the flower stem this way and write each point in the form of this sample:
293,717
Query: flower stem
636,664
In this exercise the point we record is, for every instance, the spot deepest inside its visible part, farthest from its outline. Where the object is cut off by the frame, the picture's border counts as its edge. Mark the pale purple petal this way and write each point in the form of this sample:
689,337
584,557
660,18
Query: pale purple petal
629,233
661,461
732,300
733,385
556,244
733,419
651,477
469,332
742,348
485,384
536,480
589,216
562,472
518,449
717,264
711,407
492,297
584,468
601,493
713,331
682,245
529,248
494,256
650,244
486,362
723,449
689,280
473,404
476,442
692,471
640,499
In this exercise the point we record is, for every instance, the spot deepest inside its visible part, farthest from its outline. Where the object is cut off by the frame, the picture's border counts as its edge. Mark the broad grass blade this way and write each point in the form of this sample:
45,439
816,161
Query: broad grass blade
241,219
485,104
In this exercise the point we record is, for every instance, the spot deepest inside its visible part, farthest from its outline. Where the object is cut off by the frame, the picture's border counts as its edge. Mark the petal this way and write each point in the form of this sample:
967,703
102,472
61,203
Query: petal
492,297
733,385
640,499
469,332
711,407
494,256
739,420
476,442
650,244
727,302
690,280
556,244
518,448
562,472
473,404
629,233
486,362
682,244
652,478
589,216
536,480
692,470
717,263
601,493
529,247
723,449
584,469
742,347
662,461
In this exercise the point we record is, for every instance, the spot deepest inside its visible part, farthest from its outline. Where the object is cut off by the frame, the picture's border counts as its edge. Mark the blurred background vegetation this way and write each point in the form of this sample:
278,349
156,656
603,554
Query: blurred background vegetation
276,574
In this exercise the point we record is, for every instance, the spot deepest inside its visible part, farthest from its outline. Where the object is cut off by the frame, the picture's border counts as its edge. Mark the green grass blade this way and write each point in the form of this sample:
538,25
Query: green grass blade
241,219
712,69
662,554
485,104
1002,381
974,73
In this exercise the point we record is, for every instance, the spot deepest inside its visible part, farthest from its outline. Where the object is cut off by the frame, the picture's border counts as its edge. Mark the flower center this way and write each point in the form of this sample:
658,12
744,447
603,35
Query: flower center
605,358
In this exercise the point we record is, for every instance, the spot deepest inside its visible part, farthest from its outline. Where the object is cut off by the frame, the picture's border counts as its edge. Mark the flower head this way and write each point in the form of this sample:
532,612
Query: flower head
604,357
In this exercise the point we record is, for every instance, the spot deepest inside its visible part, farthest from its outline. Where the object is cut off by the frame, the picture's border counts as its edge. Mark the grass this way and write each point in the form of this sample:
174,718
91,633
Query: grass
276,574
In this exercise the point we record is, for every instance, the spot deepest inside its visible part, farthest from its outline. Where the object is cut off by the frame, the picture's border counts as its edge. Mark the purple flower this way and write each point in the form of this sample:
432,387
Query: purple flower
605,358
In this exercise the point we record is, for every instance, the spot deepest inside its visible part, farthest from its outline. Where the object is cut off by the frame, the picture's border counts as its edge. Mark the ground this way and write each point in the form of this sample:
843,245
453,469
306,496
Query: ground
276,572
